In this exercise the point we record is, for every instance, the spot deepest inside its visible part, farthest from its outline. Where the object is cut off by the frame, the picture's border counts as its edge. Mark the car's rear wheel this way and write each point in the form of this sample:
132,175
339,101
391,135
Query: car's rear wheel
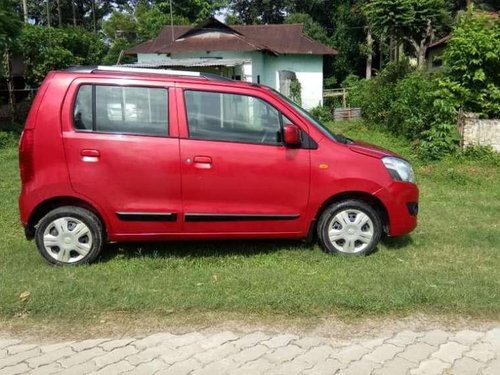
69,236
350,227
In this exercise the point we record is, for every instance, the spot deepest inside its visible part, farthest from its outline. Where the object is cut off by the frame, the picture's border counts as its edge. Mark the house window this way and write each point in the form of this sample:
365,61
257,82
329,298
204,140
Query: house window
123,110
229,117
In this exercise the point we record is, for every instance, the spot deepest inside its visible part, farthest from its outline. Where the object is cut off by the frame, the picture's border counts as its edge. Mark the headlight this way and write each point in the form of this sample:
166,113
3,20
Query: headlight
399,169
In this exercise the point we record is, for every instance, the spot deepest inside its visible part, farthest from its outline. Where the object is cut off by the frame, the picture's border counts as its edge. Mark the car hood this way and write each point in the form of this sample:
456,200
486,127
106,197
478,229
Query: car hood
370,150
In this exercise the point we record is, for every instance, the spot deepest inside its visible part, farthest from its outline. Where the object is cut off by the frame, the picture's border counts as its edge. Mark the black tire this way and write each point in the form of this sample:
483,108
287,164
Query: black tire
92,237
372,228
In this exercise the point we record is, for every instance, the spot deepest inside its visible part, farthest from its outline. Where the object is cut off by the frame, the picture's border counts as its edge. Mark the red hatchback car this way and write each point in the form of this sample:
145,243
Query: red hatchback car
125,154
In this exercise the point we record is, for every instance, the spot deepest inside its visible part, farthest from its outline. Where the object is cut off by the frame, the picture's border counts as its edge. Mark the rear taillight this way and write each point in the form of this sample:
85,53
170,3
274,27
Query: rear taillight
26,155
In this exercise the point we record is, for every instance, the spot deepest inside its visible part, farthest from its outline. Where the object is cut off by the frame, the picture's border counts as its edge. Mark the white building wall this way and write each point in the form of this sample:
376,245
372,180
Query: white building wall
265,69
309,72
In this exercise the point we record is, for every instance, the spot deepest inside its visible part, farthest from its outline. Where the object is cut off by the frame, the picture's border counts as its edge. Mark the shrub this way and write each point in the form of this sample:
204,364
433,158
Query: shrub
472,60
322,113
7,139
376,96
482,153
410,112
421,108
48,48
296,91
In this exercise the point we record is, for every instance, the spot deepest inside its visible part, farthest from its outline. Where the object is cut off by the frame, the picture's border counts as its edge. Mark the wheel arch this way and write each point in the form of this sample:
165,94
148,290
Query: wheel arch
52,203
365,197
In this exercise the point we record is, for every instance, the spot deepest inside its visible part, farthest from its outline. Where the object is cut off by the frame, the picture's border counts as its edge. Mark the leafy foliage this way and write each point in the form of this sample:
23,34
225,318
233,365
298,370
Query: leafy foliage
322,113
8,139
296,91
376,96
261,11
413,97
311,28
46,49
412,104
10,23
411,21
472,60
150,21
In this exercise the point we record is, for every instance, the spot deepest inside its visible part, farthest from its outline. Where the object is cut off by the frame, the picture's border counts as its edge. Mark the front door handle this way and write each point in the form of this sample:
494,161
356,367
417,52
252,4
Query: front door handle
202,162
90,155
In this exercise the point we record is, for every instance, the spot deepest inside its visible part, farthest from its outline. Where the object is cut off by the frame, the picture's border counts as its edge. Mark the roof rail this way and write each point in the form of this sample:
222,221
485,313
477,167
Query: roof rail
117,68
125,69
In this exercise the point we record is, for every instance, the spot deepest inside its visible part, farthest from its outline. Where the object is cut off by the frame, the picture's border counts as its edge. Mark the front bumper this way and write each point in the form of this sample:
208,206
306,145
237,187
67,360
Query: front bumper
401,202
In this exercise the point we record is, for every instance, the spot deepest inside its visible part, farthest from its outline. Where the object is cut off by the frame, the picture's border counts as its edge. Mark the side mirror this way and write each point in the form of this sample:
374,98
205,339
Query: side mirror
291,135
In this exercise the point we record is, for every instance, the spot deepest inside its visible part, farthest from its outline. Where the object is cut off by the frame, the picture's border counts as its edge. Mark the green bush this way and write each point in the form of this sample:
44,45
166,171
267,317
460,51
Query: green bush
410,111
482,153
375,96
7,139
472,60
412,104
322,113
48,48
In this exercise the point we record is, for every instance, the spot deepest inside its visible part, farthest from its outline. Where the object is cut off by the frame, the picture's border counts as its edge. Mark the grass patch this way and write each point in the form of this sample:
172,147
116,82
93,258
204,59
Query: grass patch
449,265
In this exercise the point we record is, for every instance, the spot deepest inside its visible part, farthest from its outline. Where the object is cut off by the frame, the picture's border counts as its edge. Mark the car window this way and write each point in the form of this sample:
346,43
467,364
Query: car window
82,112
124,110
230,117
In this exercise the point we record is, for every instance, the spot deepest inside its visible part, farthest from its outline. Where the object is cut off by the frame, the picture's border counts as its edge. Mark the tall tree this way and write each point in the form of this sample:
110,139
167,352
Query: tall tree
10,22
10,27
261,11
70,12
412,21
193,10
311,28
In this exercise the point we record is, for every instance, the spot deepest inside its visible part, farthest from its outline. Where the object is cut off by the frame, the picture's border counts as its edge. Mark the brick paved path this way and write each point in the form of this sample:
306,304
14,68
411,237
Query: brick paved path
406,352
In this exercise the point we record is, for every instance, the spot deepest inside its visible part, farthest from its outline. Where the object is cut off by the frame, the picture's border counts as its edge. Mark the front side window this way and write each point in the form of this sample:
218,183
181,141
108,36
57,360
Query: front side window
230,117
123,110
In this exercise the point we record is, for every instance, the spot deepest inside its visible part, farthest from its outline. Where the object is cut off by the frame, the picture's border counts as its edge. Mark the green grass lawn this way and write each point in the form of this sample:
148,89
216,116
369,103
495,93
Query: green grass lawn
449,265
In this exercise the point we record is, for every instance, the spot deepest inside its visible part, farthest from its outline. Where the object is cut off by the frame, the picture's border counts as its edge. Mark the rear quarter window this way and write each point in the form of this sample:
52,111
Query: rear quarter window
123,110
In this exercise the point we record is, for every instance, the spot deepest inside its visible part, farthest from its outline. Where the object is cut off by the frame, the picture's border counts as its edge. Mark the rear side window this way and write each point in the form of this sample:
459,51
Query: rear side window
123,110
229,117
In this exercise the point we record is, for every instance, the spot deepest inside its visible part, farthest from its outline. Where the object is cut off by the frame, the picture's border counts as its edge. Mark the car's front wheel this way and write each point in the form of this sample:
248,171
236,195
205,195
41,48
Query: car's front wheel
69,236
350,227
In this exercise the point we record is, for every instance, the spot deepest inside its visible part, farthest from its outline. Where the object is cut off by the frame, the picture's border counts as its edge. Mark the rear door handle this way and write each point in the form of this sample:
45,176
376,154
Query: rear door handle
202,162
89,155
203,159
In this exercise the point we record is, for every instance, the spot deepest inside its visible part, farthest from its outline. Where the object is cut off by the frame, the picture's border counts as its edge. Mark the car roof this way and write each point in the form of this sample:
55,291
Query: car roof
156,74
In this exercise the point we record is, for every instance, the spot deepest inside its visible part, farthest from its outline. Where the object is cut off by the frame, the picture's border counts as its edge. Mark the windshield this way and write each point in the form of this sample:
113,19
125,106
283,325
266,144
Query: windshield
323,128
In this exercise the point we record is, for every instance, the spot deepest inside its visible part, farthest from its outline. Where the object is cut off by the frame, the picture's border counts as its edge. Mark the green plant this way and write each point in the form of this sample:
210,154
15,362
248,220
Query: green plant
7,139
47,48
472,61
375,96
296,91
322,113
481,153
411,113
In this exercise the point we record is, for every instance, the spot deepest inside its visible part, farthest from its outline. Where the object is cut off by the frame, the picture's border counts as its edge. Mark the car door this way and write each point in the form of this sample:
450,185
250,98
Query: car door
237,176
123,153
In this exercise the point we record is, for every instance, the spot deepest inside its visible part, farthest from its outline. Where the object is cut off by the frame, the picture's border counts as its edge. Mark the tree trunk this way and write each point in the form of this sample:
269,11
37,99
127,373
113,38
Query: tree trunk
421,51
48,13
10,85
25,11
74,11
381,53
391,49
94,17
59,17
369,58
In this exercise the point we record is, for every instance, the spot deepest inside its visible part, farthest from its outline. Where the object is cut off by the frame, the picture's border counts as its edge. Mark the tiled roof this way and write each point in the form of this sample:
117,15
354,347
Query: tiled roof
216,36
